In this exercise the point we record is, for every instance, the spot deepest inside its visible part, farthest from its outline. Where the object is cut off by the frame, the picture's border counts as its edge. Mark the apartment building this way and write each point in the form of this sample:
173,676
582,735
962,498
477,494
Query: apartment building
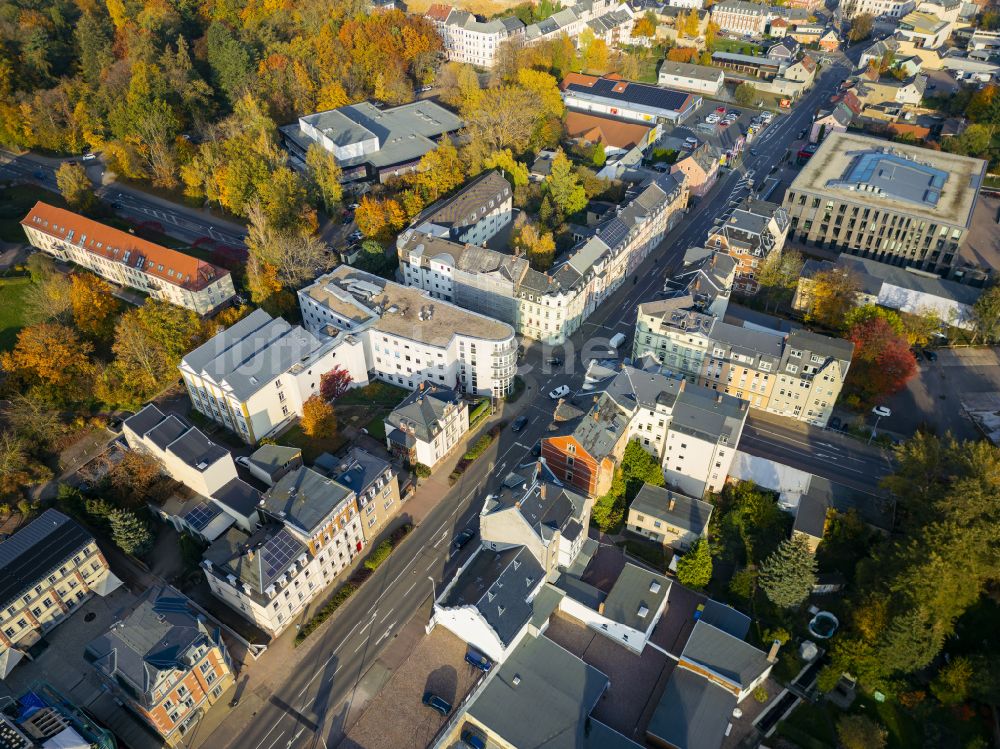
705,429
126,260
627,100
895,203
410,337
750,234
47,569
311,531
668,517
427,425
469,40
372,143
700,169
473,215
686,76
254,376
707,276
164,662
547,306
887,9
798,375
744,17
375,485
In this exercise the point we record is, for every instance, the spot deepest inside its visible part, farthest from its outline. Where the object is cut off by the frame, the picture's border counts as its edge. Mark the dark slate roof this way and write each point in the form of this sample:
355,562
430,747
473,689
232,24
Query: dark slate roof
635,93
273,458
635,597
730,657
601,428
550,703
498,583
726,618
145,420
239,496
559,509
197,450
166,431
39,547
358,469
155,639
469,201
305,498
688,513
257,560
692,713
422,411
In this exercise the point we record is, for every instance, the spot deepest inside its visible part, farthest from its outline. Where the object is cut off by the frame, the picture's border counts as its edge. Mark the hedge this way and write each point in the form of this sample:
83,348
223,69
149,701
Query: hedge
381,553
345,591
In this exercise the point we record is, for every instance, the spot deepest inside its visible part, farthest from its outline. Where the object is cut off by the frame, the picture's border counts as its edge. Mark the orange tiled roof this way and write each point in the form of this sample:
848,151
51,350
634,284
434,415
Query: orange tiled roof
168,265
581,78
438,11
604,129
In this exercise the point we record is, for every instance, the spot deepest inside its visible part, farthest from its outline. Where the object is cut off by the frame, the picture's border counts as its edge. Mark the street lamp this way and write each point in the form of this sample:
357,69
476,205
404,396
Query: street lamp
433,591
880,413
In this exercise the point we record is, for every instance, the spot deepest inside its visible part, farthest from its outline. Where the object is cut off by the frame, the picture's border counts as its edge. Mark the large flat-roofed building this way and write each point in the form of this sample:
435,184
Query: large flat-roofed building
411,337
47,569
372,143
126,260
686,76
890,202
627,100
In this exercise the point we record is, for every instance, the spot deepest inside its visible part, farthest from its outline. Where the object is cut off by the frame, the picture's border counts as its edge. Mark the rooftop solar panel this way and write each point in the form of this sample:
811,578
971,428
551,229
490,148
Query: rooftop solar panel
275,555
201,515
634,93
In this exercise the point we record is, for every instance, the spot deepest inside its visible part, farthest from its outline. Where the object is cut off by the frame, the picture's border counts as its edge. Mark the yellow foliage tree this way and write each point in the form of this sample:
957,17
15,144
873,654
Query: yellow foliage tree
378,219
831,295
545,88
539,247
94,307
318,418
439,172
512,169
53,357
691,23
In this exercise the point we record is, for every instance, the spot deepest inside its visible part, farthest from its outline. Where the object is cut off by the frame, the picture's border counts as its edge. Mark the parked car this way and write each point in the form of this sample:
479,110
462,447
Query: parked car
560,392
930,355
116,206
353,207
425,89
478,660
472,739
243,460
519,423
437,704
882,411
536,449
835,423
462,539
720,110
89,156
554,361
753,152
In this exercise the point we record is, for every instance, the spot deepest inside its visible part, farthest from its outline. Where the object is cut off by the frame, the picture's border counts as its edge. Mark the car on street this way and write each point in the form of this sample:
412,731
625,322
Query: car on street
243,460
519,423
116,206
536,449
554,361
437,704
560,392
882,412
835,423
802,133
347,219
462,539
425,89
89,157
355,235
353,207
753,152
720,110
930,355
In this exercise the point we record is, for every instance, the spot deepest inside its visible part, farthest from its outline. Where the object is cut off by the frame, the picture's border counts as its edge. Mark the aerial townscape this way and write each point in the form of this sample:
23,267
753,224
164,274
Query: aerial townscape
504,374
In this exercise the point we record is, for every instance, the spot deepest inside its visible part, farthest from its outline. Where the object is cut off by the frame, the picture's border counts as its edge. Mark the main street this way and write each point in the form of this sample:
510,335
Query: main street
311,707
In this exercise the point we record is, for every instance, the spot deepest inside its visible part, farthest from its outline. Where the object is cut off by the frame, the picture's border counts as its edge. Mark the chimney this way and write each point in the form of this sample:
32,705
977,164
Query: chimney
772,655
672,504
600,608
541,491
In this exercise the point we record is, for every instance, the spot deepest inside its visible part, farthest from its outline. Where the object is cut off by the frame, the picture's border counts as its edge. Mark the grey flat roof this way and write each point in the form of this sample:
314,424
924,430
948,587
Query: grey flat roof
635,597
834,157
729,657
357,469
551,701
689,514
709,415
906,279
166,431
239,496
272,458
690,70
197,450
305,498
692,713
145,419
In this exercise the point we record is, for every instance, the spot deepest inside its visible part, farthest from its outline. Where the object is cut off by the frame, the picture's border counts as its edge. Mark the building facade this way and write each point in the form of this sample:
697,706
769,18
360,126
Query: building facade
894,203
375,485
685,76
668,518
743,17
164,662
427,425
47,569
126,260
878,8
750,234
468,40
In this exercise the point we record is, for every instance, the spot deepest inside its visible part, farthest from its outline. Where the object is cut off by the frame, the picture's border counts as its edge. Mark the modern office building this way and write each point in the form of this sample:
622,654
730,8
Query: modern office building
370,143
126,260
890,202
47,569
164,662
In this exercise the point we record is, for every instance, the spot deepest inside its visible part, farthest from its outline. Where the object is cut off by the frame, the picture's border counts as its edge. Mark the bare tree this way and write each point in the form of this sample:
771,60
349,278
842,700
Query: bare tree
297,257
49,299
31,418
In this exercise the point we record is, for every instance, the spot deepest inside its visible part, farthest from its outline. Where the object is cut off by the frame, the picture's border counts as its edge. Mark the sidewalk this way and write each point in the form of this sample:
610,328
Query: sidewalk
282,659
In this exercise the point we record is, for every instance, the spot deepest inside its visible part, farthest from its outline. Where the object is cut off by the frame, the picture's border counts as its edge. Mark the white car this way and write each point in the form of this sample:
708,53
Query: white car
243,460
882,412
560,392
89,156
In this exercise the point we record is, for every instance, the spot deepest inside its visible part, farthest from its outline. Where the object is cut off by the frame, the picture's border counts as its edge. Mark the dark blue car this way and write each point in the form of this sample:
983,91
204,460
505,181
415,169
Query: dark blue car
478,660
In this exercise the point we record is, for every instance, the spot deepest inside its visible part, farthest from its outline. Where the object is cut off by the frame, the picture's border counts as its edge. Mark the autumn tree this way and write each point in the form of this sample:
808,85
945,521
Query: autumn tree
562,185
691,24
645,25
681,54
439,172
986,316
318,418
334,383
832,293
48,297
694,569
861,27
75,186
860,732
281,258
512,169
94,305
18,470
33,418
882,361
745,94
504,118
778,276
539,247
53,358
788,575
379,219
324,177
137,479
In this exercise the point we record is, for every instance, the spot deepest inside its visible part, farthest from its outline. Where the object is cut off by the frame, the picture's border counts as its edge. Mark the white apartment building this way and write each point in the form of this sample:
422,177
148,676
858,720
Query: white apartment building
410,337
427,425
547,306
686,76
312,531
744,17
878,8
705,429
254,376
467,39
473,215
126,260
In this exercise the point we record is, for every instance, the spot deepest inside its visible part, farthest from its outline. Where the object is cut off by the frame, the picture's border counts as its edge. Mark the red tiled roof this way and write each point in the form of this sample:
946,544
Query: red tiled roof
168,265
605,130
581,79
438,11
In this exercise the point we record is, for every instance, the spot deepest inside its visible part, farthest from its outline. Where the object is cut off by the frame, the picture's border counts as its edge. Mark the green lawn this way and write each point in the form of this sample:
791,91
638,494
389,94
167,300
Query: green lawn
15,202
311,447
376,427
734,45
375,393
12,291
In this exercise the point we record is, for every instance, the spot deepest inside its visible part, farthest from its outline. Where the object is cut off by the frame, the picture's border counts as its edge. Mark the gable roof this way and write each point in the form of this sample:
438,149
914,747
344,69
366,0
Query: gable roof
636,597
498,584
692,713
117,246
688,513
611,132
617,89
728,657
305,498
422,410
257,560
